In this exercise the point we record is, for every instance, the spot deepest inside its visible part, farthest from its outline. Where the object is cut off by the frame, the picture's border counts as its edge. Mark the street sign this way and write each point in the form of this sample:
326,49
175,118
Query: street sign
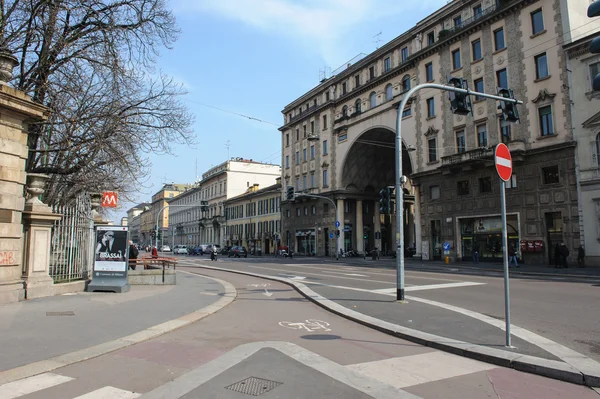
503,161
446,246
110,199
331,235
337,223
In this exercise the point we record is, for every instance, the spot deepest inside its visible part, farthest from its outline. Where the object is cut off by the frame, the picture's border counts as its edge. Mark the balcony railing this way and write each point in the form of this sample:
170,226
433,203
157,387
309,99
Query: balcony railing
497,5
473,155
589,174
302,113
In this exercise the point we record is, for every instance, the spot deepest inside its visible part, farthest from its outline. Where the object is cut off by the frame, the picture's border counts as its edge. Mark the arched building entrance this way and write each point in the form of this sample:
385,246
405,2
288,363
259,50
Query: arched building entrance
368,167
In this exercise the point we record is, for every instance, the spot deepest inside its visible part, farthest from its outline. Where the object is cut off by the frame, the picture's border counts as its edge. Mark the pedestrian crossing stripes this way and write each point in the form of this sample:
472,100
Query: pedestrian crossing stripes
26,386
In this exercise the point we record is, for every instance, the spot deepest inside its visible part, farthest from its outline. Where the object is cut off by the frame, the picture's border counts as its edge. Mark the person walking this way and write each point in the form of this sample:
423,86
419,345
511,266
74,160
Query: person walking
564,252
476,252
133,254
154,252
581,256
557,256
512,255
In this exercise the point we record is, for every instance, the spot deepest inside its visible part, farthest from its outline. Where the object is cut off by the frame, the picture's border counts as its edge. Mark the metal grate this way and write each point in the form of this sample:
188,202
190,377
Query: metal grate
254,386
67,313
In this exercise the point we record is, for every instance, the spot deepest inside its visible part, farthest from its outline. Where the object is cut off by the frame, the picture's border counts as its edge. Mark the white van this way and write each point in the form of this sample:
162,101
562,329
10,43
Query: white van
180,249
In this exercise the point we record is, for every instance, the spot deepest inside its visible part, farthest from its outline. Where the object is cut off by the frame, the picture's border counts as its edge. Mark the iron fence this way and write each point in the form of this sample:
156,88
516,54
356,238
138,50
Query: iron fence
71,249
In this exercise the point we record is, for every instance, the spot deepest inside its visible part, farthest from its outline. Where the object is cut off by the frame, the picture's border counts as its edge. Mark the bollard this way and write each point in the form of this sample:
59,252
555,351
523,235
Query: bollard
447,260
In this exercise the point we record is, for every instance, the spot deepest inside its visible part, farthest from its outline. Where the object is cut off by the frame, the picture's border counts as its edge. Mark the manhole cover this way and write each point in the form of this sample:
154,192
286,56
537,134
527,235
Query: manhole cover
253,386
67,313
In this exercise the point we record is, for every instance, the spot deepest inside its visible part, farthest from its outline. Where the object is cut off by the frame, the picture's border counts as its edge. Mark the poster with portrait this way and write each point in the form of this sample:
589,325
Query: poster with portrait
111,251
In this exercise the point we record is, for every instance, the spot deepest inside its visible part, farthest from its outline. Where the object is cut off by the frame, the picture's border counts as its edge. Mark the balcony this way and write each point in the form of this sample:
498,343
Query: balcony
468,159
497,5
589,176
303,112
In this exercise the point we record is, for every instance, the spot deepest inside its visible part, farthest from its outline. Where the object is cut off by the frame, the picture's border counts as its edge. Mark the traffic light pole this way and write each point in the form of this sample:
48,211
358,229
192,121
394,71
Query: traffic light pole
398,186
337,250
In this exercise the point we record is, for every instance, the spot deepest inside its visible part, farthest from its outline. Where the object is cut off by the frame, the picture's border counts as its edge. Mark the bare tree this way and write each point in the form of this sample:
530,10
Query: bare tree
91,62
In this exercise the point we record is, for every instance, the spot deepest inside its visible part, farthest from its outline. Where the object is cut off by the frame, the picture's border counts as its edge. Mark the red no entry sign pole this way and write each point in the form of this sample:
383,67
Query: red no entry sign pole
503,161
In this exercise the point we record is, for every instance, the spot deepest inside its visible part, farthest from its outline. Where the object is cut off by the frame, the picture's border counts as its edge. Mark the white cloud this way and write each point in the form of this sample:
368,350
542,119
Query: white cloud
324,24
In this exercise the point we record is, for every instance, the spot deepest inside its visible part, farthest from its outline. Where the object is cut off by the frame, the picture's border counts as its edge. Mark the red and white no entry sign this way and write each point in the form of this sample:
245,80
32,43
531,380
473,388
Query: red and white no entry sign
503,161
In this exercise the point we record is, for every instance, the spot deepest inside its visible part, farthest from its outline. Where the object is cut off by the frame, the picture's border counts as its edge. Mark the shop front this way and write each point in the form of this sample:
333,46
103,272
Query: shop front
486,233
306,242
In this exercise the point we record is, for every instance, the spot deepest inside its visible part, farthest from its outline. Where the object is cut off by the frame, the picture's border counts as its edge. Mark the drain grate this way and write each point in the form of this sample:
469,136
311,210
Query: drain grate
67,313
254,386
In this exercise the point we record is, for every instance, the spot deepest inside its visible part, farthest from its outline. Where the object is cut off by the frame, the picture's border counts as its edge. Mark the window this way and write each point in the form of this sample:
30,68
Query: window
312,152
461,144
304,131
297,184
371,72
499,39
551,175
463,187
342,137
537,21
312,127
297,157
313,210
358,106
502,78
476,49
541,66
287,161
512,182
404,53
344,89
482,139
430,107
298,212
388,92
304,186
387,64
324,122
457,21
405,83
432,145
504,131
485,185
312,180
345,110
287,139
304,155
373,100
325,151
594,70
434,192
326,208
430,38
297,134
356,80
407,111
325,181
479,87
477,11
429,72
327,95
546,128
456,59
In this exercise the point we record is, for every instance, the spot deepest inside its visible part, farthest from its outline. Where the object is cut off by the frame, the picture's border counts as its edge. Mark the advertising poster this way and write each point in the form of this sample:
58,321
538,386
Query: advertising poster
111,251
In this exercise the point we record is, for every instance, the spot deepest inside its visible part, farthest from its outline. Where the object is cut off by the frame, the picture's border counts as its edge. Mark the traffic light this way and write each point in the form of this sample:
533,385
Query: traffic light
592,12
337,233
159,234
509,109
153,234
290,195
384,200
365,236
460,103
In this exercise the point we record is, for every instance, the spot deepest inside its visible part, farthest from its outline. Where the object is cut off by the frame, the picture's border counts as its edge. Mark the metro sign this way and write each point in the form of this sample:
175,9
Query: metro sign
110,199
503,161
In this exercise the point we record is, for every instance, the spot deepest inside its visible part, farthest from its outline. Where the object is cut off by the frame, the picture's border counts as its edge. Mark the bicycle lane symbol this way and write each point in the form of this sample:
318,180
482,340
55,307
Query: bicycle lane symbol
309,325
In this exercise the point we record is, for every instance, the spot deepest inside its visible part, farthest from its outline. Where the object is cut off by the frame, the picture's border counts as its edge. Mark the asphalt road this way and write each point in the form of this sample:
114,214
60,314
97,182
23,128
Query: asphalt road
563,310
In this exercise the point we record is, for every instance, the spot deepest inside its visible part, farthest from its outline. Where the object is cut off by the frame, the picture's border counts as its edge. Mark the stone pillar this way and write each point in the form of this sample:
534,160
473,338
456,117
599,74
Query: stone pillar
37,222
359,227
16,112
377,224
340,218
417,216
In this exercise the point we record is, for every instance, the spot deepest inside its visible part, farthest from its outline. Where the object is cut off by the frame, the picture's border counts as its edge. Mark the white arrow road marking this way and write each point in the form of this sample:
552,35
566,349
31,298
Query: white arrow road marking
267,293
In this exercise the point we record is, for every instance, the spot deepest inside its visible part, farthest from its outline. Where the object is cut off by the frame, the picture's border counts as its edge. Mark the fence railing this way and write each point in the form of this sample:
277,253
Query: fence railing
71,249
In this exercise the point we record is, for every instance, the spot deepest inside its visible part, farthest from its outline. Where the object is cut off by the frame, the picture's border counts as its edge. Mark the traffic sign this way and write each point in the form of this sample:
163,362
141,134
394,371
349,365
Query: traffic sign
446,246
337,223
331,235
503,161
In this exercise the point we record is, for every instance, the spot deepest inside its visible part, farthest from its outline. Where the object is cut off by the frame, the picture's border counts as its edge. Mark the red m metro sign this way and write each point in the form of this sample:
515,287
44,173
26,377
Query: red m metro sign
110,199
503,161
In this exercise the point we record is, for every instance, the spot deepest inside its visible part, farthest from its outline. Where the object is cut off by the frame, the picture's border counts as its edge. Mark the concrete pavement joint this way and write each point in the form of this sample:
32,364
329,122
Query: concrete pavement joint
589,376
195,378
29,370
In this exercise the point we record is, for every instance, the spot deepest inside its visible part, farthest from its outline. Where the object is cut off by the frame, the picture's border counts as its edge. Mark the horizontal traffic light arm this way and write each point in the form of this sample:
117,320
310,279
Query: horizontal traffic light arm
469,92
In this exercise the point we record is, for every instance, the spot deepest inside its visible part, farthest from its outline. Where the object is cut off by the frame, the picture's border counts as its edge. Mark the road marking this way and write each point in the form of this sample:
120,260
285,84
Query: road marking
344,273
309,325
258,285
110,393
429,287
267,293
33,384
406,371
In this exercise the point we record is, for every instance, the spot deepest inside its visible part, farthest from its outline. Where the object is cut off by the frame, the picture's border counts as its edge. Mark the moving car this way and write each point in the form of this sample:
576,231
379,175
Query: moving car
180,249
165,248
238,252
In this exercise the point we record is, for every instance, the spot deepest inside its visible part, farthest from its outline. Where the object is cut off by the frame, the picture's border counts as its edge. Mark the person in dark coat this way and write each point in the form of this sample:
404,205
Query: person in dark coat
476,252
581,256
133,254
557,256
564,252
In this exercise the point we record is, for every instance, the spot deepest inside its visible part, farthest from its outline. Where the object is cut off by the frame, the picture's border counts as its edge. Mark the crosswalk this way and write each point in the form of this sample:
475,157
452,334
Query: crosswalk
37,383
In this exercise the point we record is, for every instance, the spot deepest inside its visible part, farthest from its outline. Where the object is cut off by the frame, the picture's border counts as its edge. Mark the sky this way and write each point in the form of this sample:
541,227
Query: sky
242,61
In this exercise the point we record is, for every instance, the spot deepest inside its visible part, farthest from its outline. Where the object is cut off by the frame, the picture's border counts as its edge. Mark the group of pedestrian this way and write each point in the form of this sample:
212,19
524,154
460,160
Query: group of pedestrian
561,252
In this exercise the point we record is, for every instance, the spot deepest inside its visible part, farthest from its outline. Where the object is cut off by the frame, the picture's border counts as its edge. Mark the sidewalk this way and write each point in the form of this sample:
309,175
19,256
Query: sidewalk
94,323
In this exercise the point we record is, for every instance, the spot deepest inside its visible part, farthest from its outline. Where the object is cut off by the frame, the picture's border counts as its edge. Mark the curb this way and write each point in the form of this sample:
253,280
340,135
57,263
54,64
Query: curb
530,364
44,366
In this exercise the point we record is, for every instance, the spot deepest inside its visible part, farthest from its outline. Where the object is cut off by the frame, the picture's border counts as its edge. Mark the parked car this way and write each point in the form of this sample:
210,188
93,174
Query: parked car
197,250
225,250
238,252
180,249
165,248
